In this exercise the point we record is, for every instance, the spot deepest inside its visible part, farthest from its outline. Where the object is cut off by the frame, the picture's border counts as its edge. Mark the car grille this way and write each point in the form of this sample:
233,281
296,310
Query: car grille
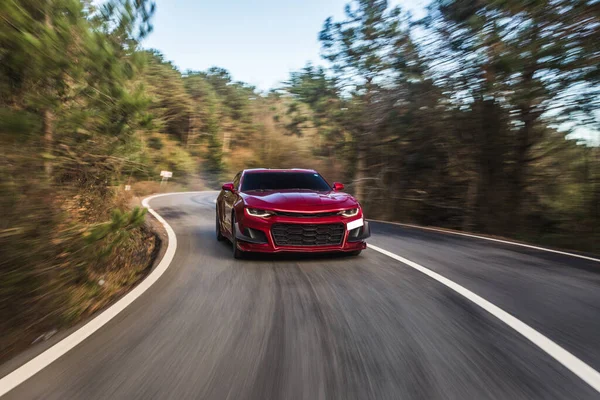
307,234
307,215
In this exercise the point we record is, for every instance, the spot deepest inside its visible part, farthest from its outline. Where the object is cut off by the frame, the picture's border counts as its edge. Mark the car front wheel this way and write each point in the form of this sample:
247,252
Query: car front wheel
220,236
237,253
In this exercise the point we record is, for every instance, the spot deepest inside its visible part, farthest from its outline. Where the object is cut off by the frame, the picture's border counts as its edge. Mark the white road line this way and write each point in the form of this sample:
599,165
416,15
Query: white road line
488,238
36,364
568,360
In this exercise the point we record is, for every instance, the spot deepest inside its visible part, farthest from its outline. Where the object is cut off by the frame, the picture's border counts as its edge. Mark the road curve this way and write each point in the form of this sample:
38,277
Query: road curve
336,327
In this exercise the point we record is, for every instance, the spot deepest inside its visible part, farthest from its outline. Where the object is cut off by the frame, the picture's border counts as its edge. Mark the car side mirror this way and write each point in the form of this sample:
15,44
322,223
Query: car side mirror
338,186
228,187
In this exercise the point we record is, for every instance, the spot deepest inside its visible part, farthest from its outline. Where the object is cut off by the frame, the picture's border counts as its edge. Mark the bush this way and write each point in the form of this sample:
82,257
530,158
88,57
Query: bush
155,143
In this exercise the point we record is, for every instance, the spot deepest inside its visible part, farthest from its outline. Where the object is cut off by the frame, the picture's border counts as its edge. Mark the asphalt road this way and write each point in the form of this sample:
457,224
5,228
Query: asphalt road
334,327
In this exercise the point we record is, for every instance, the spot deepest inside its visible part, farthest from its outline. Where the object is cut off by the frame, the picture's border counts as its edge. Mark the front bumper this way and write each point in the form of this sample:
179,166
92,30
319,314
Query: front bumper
253,234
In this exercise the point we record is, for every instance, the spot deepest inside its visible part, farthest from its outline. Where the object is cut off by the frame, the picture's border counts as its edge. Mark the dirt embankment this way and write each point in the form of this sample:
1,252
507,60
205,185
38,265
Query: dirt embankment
60,278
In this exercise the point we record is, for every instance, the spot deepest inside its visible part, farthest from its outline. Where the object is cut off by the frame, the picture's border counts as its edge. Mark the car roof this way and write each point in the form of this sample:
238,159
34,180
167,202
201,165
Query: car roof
280,170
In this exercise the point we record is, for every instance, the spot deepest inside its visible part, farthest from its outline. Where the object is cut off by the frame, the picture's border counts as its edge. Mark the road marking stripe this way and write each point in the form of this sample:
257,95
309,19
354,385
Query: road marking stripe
41,361
488,238
568,360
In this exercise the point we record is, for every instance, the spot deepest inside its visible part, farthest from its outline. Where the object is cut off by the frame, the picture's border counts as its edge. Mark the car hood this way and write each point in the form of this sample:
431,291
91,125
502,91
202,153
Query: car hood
299,201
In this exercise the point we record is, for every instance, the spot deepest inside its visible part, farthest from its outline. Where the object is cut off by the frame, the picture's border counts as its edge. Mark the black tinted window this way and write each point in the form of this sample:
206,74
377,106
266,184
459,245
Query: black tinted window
283,181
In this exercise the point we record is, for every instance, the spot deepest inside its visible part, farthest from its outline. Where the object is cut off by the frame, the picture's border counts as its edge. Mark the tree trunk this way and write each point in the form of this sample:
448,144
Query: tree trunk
596,193
591,205
363,137
361,174
48,126
471,204
47,114
596,183
490,194
525,138
521,169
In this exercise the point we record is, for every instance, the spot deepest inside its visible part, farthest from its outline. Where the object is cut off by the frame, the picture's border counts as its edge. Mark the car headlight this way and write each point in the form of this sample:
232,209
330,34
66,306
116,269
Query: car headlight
349,213
255,212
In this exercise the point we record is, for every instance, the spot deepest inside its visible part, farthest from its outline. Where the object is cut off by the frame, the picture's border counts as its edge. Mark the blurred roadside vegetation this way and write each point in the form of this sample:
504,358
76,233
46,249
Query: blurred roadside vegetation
85,111
458,120
69,113
467,118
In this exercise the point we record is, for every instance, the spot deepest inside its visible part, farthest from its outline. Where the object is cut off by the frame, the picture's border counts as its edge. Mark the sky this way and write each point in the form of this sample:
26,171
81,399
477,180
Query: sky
259,41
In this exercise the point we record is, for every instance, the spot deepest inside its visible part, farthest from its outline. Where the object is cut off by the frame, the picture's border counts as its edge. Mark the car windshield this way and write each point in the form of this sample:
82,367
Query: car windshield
284,181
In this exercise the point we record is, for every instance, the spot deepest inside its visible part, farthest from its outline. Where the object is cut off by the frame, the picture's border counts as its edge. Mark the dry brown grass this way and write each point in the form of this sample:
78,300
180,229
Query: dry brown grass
52,276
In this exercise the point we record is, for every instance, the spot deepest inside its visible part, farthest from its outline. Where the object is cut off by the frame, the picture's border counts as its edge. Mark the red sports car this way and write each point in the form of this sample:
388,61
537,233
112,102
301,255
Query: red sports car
291,210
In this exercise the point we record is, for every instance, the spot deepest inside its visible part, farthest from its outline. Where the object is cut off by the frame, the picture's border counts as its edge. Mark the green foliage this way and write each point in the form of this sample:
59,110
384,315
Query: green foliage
18,123
312,87
170,104
155,143
120,222
115,232
364,47
214,148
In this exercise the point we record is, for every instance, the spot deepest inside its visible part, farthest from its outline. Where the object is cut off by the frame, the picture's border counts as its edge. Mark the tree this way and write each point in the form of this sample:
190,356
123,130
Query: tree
363,50
214,153
170,104
315,107
532,60
204,104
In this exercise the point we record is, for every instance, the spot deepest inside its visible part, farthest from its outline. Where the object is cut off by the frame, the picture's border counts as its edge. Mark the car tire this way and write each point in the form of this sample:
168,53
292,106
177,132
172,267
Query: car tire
355,253
237,253
220,236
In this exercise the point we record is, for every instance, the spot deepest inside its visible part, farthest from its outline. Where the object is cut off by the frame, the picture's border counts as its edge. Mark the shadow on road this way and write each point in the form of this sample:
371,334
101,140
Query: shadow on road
171,213
277,257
